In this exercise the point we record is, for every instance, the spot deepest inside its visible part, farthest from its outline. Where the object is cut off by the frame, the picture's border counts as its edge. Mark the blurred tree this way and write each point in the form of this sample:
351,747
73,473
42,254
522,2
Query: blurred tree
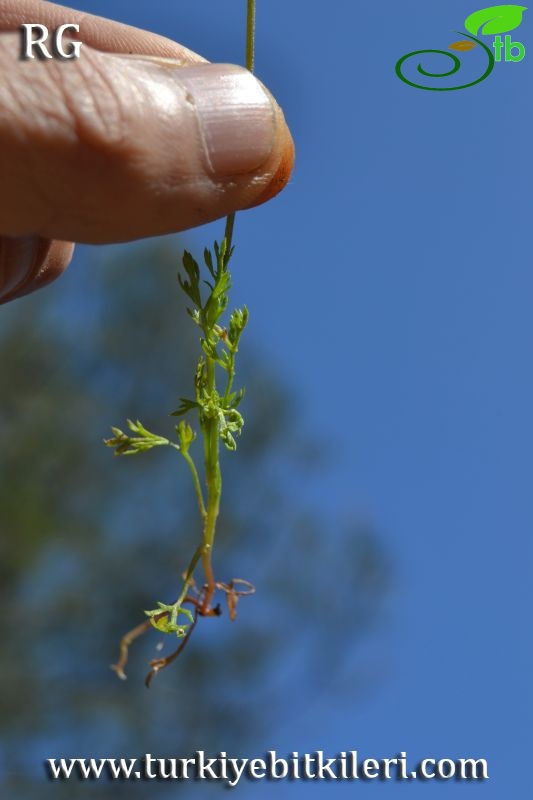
88,541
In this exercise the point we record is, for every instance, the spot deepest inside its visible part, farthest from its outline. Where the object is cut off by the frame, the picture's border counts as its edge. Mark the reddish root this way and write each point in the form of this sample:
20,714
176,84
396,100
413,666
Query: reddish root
125,643
158,664
201,602
127,640
233,595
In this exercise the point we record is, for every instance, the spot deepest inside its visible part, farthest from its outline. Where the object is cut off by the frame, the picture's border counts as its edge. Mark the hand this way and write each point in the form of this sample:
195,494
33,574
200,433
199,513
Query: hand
138,137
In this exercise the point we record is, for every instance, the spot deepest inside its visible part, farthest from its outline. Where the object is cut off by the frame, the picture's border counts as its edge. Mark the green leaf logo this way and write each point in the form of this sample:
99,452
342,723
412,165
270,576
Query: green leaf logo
495,19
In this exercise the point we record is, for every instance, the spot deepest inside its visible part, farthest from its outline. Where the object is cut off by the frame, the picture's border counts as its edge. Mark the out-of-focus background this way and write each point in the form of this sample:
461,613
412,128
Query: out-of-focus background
380,498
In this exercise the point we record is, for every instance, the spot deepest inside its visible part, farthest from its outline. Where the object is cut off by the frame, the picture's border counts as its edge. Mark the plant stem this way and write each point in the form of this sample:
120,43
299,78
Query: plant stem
230,220
211,430
211,426
213,479
188,575
250,36
197,485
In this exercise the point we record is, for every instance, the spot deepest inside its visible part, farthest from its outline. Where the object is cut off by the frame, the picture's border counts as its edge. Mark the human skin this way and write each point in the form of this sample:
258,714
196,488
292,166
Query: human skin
138,137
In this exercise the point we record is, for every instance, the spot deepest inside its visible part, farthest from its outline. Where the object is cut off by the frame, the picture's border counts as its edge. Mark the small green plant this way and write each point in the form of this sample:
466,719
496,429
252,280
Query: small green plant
219,420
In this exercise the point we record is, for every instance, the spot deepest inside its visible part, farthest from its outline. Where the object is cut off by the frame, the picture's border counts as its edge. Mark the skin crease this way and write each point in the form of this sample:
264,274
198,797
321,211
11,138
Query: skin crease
37,228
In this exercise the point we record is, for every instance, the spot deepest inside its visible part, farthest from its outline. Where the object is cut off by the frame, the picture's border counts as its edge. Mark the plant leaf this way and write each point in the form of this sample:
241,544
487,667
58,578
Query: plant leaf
184,406
462,45
495,19
164,625
186,436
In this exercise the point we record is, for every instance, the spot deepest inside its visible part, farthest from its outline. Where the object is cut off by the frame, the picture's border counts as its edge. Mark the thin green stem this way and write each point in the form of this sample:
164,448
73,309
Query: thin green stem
197,485
211,426
250,36
230,220
213,480
250,62
188,575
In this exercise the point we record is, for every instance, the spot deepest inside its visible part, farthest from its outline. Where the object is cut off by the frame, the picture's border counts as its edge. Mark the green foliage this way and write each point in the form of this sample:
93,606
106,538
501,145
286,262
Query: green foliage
219,344
186,436
218,420
168,622
126,445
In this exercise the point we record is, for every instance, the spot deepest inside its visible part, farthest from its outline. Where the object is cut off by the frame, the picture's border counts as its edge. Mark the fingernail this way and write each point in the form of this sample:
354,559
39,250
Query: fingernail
235,114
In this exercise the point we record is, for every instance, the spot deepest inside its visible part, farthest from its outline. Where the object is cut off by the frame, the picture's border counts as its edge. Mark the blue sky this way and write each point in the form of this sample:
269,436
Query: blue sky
399,306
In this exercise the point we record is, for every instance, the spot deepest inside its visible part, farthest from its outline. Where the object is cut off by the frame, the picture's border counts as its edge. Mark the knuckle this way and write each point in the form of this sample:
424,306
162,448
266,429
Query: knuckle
94,102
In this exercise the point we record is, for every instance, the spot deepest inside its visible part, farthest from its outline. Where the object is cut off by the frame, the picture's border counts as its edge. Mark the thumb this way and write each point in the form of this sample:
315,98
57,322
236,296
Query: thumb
111,147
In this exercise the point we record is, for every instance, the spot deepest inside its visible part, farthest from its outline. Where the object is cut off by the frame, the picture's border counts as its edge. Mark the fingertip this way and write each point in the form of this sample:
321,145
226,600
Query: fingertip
280,165
282,174
34,261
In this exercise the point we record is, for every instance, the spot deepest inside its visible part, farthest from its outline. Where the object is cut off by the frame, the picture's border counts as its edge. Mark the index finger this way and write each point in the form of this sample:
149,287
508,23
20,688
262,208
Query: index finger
97,32
50,259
